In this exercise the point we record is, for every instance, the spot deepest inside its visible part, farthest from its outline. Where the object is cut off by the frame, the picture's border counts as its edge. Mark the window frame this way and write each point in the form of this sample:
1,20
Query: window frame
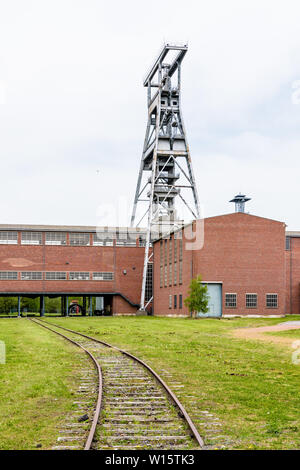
103,274
13,277
228,294
55,275
32,277
272,294
78,279
83,235
251,306
9,240
58,242
37,242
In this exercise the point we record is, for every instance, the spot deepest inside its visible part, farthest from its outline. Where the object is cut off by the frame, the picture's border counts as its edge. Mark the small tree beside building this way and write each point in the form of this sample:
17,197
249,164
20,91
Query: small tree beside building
197,300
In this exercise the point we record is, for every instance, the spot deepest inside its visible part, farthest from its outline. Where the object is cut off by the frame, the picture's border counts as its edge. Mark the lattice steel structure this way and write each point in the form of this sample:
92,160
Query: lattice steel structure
165,155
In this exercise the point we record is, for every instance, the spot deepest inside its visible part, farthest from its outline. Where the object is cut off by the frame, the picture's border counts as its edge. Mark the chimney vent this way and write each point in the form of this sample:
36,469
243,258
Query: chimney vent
240,200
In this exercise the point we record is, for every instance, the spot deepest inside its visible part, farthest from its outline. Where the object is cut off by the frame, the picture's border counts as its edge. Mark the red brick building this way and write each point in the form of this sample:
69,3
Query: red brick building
242,260
58,261
250,264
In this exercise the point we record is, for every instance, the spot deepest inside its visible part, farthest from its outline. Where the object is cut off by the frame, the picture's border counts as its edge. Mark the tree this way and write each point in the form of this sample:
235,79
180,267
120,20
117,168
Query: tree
197,300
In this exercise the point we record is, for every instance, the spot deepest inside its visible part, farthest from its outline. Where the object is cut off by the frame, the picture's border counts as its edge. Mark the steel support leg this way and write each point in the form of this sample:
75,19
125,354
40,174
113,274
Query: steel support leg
42,305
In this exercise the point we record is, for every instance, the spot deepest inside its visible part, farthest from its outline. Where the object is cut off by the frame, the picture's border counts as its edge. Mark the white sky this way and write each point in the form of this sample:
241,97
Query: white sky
73,108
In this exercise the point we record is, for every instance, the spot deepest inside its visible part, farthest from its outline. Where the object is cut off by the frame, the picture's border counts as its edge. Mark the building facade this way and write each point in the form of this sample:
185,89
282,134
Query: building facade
57,261
250,264
242,261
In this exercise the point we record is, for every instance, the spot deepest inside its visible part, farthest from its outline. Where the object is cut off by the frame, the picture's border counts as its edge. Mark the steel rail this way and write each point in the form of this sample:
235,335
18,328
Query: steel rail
175,400
89,440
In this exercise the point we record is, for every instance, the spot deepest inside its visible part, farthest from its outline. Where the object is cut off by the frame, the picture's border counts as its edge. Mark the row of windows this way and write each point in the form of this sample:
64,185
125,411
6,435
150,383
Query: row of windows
75,239
173,301
251,300
56,276
168,258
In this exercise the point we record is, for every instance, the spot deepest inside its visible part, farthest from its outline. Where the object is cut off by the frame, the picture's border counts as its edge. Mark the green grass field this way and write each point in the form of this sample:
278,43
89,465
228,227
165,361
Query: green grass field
287,334
251,386
37,384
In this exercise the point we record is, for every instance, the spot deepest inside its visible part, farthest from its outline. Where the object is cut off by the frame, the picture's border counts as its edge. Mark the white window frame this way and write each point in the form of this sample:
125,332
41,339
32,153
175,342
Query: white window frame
55,276
31,275
8,240
74,276
62,240
230,293
103,276
251,293
275,294
8,275
170,300
32,240
81,237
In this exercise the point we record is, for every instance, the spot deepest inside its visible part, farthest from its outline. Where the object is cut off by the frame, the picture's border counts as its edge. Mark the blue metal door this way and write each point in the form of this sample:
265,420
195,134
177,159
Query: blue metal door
215,301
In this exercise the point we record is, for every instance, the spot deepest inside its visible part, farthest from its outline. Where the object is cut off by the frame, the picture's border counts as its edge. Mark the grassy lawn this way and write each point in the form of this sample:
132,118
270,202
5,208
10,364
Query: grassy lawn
251,386
287,333
37,384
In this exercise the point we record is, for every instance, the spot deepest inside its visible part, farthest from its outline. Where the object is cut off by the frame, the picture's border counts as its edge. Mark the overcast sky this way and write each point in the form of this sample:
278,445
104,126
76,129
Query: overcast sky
73,108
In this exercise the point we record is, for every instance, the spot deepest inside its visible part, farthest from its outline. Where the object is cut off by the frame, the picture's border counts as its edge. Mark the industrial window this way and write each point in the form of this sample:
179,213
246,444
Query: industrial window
104,276
170,251
230,300
170,301
103,238
166,275
251,300
175,249
31,276
8,238
56,238
8,275
175,301
161,276
31,238
170,274
271,300
126,239
175,274
180,300
287,243
79,276
170,260
79,239
161,252
166,252
149,282
55,276
142,240
180,272
180,249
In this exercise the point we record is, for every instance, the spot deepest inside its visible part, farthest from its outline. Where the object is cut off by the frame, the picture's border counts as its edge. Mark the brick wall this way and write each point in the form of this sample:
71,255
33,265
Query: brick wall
292,257
75,258
244,252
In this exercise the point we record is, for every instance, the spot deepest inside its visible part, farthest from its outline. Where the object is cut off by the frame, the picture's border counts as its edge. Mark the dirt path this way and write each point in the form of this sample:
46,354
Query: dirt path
259,333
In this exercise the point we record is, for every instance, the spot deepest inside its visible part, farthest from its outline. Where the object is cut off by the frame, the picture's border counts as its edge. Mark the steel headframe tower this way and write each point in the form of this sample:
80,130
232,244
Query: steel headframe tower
165,154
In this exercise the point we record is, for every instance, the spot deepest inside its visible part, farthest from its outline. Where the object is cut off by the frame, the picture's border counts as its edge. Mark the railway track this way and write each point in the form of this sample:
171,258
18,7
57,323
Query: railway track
134,409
